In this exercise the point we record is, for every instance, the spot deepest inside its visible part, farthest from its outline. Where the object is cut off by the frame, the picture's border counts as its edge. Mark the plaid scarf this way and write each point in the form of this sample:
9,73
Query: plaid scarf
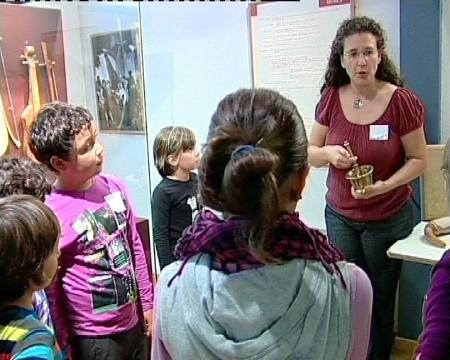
230,254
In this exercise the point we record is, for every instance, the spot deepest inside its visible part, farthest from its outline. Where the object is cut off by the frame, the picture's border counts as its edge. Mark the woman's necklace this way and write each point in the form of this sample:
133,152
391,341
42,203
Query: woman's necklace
358,103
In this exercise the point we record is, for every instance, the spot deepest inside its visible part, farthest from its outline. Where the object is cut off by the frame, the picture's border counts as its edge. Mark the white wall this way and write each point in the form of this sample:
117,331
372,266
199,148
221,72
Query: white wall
445,74
387,12
194,54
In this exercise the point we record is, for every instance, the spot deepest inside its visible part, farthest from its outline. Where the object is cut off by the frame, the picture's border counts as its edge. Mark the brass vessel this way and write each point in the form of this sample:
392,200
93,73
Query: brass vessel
360,176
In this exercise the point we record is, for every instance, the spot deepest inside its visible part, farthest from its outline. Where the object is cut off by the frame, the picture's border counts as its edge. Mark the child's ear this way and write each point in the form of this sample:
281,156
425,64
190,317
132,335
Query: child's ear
40,282
299,184
173,160
58,163
36,283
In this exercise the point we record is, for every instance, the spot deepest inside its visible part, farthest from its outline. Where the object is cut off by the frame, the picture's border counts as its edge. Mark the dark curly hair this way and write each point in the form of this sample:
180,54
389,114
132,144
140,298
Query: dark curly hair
23,176
53,133
29,231
256,140
336,76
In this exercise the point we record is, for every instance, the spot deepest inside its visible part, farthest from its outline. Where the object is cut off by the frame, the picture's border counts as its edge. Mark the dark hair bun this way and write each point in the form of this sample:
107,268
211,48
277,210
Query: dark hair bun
243,178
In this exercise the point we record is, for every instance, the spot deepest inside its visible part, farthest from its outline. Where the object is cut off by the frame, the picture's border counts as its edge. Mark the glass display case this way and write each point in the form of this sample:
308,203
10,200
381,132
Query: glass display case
136,67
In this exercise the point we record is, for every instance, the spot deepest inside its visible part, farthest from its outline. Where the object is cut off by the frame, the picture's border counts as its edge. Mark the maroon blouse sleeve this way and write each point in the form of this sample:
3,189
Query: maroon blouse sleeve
434,342
324,106
411,112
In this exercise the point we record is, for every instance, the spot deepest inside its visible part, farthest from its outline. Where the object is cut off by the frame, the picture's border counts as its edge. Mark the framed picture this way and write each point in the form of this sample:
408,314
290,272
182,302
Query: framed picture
118,81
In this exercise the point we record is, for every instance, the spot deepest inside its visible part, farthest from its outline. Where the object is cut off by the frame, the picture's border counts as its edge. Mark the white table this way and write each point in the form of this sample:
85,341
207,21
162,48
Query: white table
417,248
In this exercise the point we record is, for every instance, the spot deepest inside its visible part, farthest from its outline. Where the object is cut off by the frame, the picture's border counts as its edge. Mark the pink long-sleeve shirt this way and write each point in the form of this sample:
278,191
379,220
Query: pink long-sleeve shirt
103,264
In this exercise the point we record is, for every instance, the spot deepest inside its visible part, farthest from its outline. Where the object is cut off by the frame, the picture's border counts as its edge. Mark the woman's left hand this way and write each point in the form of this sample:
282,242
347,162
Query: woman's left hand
380,187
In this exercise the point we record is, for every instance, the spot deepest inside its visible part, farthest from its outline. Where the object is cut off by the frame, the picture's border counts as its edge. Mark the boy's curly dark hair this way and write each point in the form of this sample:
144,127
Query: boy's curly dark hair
23,176
54,131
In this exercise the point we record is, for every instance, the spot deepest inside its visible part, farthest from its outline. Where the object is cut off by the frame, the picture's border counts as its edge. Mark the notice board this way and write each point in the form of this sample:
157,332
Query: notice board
291,44
290,47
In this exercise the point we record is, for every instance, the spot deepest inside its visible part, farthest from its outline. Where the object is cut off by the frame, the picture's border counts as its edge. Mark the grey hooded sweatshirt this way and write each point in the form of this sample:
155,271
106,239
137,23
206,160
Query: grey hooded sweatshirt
297,310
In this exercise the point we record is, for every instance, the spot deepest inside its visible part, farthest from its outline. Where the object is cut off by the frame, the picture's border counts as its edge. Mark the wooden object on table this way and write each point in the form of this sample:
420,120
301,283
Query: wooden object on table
436,228
416,247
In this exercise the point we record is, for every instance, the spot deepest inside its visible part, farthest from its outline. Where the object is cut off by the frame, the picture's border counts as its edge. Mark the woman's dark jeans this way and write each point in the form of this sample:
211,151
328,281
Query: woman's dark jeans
365,244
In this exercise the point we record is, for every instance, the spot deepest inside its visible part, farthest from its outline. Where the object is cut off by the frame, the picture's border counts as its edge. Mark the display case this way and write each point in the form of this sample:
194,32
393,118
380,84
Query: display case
136,66
86,54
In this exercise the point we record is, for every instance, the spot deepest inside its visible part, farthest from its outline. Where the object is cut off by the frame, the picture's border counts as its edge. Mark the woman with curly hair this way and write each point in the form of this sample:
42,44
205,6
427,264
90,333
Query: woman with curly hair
363,101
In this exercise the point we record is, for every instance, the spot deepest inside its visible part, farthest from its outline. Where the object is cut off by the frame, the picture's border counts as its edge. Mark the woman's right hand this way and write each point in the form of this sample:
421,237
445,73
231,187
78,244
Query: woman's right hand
339,157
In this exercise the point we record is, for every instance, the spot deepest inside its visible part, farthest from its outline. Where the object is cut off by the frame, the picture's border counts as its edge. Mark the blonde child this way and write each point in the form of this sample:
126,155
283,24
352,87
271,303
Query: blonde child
174,200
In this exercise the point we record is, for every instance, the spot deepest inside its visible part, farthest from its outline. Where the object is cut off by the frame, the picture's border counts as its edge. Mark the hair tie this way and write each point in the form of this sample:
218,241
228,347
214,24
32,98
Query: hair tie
241,150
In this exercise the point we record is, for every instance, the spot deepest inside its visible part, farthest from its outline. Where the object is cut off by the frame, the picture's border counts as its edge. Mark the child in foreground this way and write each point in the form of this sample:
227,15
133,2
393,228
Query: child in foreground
28,263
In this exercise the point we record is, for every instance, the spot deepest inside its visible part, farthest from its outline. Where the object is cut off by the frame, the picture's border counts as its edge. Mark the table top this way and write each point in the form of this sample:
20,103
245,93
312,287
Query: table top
417,248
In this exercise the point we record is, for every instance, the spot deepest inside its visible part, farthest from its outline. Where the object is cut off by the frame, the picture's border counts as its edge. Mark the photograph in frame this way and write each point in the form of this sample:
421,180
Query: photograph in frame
118,81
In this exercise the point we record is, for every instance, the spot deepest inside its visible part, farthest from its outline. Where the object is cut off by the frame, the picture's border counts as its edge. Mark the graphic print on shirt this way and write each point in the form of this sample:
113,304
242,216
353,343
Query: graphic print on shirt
105,247
192,202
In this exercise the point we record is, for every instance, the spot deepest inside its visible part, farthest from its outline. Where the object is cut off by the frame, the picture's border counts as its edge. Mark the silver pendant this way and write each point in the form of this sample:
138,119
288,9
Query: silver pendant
358,103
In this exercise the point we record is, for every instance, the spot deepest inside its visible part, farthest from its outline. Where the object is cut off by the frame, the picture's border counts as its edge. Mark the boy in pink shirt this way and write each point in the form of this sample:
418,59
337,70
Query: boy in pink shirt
103,266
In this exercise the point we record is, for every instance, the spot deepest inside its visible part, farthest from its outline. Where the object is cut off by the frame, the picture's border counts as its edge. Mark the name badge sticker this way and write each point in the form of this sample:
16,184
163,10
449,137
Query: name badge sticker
379,132
115,202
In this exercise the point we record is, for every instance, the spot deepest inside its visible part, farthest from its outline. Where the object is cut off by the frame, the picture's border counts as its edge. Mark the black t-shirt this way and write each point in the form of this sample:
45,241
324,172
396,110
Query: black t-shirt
174,205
